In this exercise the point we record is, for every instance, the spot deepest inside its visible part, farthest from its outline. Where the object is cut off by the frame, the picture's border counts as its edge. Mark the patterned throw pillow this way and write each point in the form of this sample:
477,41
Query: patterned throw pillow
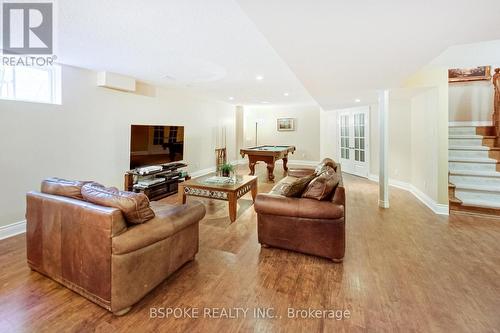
296,188
322,187
322,168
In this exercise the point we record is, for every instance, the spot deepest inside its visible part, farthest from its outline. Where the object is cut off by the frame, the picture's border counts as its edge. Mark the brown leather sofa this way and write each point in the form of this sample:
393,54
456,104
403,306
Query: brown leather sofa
301,224
93,251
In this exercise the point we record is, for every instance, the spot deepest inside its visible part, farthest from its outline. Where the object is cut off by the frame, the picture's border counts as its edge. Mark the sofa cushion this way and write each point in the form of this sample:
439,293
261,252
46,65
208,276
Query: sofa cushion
134,206
295,188
63,187
325,167
321,187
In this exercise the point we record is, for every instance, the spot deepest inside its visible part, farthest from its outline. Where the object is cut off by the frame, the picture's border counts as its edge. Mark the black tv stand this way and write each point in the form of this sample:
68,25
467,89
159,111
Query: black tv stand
150,184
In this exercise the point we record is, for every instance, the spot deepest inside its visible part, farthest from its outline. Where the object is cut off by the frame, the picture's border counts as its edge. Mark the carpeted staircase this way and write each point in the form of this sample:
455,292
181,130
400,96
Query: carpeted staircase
474,170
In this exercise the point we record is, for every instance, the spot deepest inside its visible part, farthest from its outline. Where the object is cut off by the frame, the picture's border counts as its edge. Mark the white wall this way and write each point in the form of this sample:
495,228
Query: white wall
88,136
424,136
471,101
306,137
399,138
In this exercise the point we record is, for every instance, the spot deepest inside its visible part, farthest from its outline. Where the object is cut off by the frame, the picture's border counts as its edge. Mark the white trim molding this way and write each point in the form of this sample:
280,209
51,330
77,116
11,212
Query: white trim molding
299,163
13,229
437,208
470,123
202,172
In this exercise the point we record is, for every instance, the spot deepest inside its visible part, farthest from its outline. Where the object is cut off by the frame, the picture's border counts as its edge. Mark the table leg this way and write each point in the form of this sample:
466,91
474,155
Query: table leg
182,194
270,171
233,205
254,190
251,165
285,161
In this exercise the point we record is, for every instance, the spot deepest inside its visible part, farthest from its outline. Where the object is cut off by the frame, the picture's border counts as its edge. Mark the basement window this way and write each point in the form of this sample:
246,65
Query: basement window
31,84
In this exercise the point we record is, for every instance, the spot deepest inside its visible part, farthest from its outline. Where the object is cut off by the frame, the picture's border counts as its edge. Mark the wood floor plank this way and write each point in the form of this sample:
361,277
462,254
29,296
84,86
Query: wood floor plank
406,270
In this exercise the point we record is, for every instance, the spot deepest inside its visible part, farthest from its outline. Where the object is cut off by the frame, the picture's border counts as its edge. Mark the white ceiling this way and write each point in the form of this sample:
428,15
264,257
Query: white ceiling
470,55
343,50
209,47
333,50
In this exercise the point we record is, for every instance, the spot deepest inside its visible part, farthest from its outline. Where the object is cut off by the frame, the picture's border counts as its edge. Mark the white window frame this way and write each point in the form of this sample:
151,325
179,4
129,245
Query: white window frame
54,72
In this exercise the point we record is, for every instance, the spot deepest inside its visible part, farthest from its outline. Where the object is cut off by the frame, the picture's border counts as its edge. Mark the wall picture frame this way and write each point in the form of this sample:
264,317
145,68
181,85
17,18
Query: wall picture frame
479,73
285,124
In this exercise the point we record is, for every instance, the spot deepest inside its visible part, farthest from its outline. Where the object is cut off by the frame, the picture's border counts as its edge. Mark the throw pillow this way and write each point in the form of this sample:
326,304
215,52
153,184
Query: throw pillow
63,187
325,165
321,187
296,188
134,206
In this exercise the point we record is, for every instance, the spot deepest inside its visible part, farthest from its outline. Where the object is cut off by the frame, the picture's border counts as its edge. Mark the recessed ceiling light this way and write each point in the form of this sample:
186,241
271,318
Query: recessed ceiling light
265,102
231,98
357,100
286,94
259,77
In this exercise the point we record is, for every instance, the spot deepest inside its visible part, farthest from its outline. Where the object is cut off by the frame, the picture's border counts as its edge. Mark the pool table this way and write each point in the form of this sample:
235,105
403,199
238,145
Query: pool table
268,154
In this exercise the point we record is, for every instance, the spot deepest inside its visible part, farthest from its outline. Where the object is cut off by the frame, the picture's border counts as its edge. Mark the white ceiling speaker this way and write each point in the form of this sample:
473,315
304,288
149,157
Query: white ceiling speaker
115,81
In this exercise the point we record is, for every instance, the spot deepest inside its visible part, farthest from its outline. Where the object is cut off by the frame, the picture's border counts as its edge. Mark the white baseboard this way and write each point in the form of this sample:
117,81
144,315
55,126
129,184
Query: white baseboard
202,172
429,202
239,162
12,229
470,123
424,198
300,163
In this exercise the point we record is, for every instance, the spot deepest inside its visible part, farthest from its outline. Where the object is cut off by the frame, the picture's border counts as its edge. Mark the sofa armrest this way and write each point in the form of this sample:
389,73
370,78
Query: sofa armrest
169,220
339,196
272,204
300,172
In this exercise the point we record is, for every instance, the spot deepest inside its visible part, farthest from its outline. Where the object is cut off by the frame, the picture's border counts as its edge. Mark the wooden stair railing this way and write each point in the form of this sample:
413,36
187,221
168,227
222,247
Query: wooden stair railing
496,111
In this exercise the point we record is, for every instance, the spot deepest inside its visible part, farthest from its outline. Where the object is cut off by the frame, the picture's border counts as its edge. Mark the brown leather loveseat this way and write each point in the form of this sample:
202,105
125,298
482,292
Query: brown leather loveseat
304,225
94,250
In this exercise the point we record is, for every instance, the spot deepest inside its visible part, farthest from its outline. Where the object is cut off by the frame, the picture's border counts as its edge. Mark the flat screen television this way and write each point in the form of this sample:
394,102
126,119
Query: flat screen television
154,145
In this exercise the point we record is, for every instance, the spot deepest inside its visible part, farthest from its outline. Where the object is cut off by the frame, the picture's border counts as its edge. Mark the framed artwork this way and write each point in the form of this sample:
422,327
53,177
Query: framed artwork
286,124
469,74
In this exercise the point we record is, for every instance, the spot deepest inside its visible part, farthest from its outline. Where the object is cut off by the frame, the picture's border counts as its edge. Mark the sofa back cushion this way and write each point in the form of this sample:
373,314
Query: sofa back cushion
134,206
322,187
63,187
295,188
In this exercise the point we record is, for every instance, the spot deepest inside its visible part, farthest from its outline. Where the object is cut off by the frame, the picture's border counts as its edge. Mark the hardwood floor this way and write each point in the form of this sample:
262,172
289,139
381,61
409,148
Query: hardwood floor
405,270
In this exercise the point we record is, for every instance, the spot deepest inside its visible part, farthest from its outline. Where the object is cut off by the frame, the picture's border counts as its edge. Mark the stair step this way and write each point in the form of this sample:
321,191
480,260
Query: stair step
478,173
477,187
476,142
473,160
469,148
472,166
464,136
488,194
457,154
461,130
482,203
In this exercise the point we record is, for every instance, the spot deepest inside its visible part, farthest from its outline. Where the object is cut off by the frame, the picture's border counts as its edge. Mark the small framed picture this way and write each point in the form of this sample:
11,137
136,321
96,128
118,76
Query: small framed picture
286,124
469,74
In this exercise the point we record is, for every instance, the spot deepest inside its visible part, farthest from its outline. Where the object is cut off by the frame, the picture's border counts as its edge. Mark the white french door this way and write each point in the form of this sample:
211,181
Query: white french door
354,154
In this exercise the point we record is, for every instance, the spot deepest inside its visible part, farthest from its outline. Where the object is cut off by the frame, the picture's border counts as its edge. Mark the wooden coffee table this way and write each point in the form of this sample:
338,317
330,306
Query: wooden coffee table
227,192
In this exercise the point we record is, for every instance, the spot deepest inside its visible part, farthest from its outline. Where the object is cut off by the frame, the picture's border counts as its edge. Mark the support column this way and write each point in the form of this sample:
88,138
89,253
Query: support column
239,129
383,117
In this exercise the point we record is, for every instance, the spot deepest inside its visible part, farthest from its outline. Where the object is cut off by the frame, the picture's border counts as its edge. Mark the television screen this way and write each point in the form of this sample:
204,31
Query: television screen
154,145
